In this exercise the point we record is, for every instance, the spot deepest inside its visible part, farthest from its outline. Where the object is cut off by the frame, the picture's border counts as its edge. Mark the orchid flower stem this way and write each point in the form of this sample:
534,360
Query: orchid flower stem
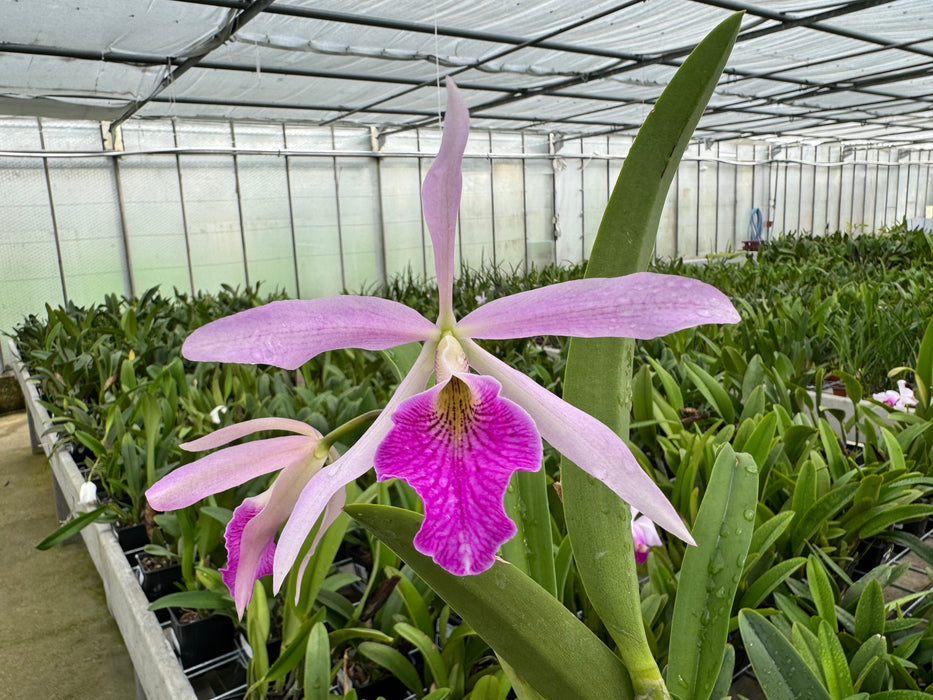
328,441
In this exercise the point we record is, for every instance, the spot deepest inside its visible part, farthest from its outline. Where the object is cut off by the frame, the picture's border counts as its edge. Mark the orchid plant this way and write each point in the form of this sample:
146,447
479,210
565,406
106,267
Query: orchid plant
460,441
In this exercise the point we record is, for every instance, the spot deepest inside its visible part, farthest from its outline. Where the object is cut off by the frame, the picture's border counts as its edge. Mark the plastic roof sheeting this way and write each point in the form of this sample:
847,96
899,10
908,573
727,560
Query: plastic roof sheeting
801,69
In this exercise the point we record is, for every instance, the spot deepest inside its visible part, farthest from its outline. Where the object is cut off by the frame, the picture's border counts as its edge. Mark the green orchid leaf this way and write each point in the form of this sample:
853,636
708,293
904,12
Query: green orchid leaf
543,641
835,666
870,613
821,590
924,371
710,576
712,391
73,527
196,600
780,670
293,650
317,664
402,358
598,373
425,644
770,580
395,663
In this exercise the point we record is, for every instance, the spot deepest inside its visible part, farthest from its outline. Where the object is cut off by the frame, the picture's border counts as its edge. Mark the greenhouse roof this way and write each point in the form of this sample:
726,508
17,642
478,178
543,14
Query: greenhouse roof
801,69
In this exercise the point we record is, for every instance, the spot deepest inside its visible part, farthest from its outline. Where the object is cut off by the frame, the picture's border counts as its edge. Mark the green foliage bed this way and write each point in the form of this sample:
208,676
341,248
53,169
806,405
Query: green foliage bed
855,307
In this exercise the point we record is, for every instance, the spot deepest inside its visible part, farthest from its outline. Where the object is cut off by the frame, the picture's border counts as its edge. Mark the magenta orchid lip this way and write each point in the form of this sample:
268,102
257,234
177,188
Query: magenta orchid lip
457,443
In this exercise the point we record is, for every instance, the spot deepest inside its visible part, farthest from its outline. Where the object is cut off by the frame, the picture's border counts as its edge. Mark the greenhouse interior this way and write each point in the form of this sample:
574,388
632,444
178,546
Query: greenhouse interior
467,351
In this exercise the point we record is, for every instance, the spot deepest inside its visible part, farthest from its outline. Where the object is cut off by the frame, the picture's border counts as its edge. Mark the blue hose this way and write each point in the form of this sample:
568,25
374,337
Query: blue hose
755,223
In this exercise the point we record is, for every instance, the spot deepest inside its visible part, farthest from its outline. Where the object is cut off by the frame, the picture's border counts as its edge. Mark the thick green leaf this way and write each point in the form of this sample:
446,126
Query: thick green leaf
783,675
758,444
395,663
542,640
885,519
196,600
317,664
710,576
770,580
486,688
712,391
671,388
345,634
821,590
724,681
835,667
424,644
867,666
816,515
769,531
73,527
924,369
597,376
869,615
900,695
294,650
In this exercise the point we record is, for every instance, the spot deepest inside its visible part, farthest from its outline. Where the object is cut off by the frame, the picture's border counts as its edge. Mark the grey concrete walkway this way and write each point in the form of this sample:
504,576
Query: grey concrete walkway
57,638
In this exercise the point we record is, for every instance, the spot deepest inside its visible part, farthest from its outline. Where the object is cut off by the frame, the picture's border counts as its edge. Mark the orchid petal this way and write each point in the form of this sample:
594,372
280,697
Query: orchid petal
262,562
331,512
644,536
261,529
237,430
642,305
644,529
440,196
457,445
588,443
289,333
355,462
227,468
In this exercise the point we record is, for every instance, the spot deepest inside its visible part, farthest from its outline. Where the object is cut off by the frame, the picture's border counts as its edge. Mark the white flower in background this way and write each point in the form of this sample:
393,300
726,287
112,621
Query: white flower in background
480,298
216,412
87,494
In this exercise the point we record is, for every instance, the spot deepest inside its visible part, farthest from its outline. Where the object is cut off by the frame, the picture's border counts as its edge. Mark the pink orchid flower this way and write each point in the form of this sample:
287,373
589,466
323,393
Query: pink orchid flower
458,443
645,536
250,534
900,399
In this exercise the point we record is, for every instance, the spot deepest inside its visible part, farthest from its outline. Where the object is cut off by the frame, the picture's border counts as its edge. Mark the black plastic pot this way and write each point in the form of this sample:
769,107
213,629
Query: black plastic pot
131,537
157,575
875,554
200,639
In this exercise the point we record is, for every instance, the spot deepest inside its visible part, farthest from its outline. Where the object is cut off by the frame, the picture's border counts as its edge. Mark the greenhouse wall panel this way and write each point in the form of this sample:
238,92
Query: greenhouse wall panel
666,245
688,203
212,213
265,207
157,241
359,212
477,233
725,182
708,205
87,214
313,189
400,187
192,204
508,202
568,202
29,258
539,201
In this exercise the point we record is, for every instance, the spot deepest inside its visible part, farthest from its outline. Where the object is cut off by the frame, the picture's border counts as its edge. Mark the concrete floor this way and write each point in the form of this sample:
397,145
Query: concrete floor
57,638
